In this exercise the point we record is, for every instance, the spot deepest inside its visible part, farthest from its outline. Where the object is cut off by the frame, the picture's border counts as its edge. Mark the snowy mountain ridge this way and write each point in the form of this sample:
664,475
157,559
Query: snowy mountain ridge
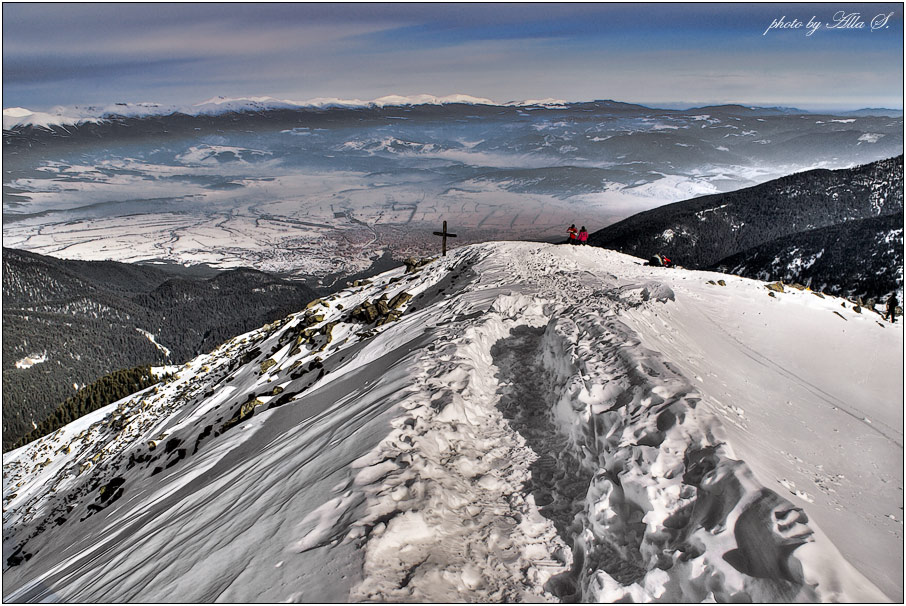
513,422
73,115
67,116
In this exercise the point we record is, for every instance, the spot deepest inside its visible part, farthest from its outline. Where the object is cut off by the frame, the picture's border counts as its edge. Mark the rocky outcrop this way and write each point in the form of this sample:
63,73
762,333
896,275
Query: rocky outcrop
412,264
381,310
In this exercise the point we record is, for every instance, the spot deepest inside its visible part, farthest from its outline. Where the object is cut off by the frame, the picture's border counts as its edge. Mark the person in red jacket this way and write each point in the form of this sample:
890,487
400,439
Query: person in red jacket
583,236
572,234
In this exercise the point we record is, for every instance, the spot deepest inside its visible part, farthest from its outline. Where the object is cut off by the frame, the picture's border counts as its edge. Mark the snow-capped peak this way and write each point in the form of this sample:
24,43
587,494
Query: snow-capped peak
513,422
79,114
19,116
221,100
17,112
393,100
226,104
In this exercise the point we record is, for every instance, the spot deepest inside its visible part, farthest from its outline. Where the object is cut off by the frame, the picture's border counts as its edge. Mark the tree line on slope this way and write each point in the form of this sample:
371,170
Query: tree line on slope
84,317
857,259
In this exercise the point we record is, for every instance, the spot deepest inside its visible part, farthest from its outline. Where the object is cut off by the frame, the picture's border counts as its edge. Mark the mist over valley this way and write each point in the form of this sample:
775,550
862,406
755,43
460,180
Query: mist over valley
321,190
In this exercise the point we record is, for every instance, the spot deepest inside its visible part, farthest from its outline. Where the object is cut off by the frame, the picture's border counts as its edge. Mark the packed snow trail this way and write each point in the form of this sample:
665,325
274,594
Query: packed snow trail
559,480
540,423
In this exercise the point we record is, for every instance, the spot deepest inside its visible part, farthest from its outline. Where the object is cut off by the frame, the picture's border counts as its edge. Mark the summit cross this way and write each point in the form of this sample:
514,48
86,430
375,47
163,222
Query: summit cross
445,235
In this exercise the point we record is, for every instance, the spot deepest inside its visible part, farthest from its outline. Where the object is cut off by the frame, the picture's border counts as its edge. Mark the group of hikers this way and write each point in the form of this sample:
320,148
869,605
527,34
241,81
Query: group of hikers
580,236
577,236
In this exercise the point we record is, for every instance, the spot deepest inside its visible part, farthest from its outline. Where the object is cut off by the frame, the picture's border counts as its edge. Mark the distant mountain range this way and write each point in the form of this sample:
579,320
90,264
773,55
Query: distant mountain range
62,116
67,323
19,117
875,111
839,230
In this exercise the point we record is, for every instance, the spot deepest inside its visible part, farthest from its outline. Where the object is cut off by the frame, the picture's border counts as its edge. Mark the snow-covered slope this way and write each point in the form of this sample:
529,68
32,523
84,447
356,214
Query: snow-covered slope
70,116
537,422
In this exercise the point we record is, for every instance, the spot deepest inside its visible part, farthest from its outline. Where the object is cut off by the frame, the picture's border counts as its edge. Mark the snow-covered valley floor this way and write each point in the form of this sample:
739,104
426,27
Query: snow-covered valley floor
537,423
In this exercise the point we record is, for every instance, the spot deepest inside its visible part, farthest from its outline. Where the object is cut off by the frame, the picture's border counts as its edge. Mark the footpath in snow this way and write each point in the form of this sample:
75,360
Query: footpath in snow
518,422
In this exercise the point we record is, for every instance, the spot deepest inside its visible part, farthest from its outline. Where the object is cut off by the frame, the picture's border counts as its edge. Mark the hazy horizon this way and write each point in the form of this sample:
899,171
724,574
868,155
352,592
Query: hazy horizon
666,105
683,55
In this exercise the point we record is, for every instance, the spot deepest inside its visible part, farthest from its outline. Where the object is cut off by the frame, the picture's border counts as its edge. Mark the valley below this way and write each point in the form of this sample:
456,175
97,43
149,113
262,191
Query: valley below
312,192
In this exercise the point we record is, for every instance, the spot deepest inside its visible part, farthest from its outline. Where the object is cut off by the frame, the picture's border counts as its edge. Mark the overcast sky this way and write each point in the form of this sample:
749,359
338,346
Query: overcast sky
656,54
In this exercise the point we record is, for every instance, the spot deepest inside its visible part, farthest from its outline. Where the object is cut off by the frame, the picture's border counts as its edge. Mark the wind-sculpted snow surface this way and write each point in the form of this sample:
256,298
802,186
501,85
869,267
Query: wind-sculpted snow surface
515,422
667,492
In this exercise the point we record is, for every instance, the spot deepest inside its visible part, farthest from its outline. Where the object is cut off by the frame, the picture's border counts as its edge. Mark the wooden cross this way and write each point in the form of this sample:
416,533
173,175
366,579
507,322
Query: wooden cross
445,235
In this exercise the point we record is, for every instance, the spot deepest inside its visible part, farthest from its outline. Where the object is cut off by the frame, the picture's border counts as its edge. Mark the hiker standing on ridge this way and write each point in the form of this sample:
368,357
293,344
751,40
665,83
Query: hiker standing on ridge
572,234
892,308
583,236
